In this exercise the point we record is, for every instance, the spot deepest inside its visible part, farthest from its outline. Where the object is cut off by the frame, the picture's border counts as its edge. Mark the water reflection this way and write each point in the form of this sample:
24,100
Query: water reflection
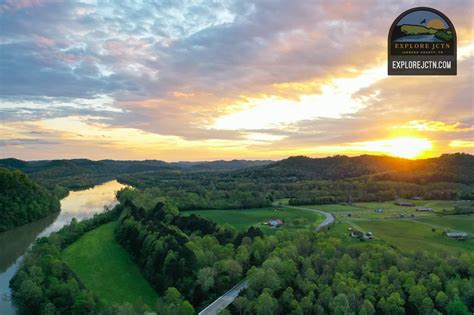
13,243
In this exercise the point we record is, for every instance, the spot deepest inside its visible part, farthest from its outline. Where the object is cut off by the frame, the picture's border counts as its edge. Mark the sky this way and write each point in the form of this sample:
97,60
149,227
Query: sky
234,79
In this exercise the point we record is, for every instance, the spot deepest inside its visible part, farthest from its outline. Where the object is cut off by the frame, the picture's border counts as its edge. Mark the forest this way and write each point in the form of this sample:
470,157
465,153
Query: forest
315,274
23,200
190,260
197,257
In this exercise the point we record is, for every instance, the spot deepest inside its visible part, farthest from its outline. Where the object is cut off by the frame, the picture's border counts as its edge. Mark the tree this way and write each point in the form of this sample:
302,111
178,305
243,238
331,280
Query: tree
241,303
173,304
441,300
393,305
205,277
417,294
340,305
266,304
260,279
456,307
367,308
427,305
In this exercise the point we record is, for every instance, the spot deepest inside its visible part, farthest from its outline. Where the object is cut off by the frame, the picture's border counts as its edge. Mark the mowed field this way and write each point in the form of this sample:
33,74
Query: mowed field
242,219
403,227
452,222
415,235
107,270
366,210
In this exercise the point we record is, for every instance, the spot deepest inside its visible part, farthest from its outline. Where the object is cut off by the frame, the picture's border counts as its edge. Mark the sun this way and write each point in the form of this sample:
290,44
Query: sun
436,24
405,147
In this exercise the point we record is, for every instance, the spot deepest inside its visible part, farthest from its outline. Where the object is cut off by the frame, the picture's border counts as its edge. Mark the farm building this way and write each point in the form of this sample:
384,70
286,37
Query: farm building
457,235
275,222
379,210
404,204
356,234
423,209
361,235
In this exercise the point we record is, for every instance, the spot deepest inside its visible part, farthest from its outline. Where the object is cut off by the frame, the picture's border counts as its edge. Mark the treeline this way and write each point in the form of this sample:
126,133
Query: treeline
198,258
456,168
313,274
369,189
22,200
217,190
45,284
82,173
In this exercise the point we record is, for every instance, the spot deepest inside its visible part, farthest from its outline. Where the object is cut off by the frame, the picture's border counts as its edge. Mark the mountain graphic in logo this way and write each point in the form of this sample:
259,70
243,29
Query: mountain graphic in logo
430,28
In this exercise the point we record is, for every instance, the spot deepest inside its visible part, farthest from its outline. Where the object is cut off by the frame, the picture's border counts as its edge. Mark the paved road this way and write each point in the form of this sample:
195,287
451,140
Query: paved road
224,300
227,298
329,218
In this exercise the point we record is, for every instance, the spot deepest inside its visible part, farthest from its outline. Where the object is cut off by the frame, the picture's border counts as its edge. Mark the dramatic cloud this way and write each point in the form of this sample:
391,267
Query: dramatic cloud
226,78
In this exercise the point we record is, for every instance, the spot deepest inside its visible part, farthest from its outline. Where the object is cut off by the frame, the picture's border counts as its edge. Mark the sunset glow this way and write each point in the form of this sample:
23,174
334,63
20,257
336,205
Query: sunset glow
222,81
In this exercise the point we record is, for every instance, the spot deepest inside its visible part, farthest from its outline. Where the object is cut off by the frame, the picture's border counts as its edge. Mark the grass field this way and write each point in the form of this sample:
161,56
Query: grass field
242,219
106,269
412,235
408,233
365,210
463,223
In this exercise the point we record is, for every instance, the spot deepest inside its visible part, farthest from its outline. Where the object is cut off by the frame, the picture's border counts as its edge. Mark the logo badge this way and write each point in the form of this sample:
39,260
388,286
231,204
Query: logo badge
422,41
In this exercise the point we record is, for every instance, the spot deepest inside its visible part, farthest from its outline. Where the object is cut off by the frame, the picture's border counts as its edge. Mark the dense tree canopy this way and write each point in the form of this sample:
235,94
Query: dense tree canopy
197,257
315,274
22,200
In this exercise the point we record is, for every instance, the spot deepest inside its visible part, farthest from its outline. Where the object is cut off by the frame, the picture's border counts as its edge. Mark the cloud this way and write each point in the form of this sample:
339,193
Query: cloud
226,71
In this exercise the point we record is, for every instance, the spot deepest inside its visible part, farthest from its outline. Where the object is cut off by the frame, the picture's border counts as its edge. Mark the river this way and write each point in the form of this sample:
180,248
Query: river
80,204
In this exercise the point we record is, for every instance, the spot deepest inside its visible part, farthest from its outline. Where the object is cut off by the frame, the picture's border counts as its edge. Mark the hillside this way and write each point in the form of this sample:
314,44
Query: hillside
80,173
22,200
457,167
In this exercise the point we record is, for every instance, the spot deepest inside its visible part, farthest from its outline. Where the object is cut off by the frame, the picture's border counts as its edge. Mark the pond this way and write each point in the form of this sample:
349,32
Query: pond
79,204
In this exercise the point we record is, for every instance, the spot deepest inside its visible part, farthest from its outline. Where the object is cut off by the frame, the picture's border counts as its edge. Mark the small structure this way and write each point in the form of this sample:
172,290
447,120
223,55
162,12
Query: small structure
404,204
417,198
457,235
423,209
356,234
380,210
361,235
275,223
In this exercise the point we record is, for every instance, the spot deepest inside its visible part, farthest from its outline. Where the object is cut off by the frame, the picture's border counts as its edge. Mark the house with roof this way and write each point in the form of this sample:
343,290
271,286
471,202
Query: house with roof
361,235
457,235
423,209
275,223
404,204
356,234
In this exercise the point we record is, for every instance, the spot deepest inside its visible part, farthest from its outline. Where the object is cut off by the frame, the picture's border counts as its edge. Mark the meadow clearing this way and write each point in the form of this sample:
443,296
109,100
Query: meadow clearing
107,270
242,219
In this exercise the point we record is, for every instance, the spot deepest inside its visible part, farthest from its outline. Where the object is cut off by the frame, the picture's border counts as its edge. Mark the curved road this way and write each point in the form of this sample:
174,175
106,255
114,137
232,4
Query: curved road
227,298
328,218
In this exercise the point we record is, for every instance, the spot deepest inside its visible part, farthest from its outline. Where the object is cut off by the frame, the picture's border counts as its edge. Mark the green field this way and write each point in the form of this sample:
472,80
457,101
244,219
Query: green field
463,223
412,232
365,210
242,219
106,269
412,235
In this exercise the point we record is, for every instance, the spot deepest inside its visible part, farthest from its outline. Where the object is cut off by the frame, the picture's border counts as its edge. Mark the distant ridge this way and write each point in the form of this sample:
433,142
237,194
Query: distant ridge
458,167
